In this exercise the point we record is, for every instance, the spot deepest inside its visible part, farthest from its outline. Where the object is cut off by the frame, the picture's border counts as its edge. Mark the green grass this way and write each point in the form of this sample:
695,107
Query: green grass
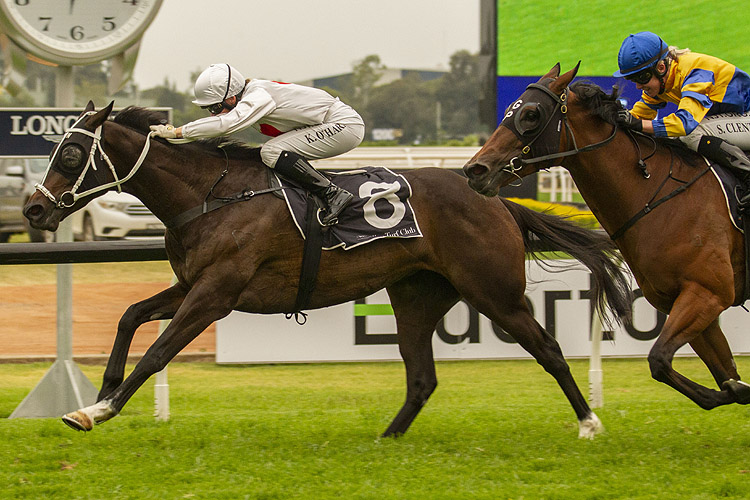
494,430
533,36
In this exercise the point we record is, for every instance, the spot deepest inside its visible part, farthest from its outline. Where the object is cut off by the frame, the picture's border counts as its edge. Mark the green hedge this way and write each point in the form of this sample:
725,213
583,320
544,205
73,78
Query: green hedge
580,217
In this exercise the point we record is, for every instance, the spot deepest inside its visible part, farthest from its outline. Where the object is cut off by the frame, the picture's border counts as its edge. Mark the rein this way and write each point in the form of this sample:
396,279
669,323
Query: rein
516,163
68,198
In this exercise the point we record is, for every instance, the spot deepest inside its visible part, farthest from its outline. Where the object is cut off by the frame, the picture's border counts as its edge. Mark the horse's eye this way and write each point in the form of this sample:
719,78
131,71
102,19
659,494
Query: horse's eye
71,158
528,119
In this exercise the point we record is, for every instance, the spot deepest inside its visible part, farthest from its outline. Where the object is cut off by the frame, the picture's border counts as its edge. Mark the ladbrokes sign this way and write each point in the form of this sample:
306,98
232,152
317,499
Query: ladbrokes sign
365,329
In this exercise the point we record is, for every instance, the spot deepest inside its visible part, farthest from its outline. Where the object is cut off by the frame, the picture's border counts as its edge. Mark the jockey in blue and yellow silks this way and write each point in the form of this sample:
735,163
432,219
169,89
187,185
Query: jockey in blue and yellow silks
713,98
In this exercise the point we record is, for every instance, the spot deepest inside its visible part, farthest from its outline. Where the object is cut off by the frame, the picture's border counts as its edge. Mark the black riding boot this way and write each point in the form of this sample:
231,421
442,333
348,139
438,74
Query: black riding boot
729,156
298,170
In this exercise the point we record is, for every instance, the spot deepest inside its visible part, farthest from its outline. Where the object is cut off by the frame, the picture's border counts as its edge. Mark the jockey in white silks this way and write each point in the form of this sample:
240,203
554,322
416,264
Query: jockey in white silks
304,124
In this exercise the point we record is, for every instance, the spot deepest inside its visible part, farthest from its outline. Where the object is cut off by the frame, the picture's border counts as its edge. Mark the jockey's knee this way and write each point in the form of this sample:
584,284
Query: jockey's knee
693,139
269,153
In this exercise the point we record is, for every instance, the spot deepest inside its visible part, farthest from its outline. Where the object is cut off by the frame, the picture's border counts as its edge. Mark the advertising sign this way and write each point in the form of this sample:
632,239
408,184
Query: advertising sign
33,132
366,329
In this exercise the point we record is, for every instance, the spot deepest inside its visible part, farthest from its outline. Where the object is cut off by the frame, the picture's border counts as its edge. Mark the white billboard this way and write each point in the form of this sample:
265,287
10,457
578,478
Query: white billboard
365,330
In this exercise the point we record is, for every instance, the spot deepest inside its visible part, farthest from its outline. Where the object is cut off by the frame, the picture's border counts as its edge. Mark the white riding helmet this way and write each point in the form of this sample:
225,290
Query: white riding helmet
216,83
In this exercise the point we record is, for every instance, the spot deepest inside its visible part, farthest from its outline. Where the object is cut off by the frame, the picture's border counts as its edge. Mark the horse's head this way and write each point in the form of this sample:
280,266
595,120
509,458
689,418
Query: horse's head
72,172
527,137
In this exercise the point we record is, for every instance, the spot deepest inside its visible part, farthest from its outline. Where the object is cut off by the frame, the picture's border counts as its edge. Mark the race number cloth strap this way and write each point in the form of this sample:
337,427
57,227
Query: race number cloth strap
380,208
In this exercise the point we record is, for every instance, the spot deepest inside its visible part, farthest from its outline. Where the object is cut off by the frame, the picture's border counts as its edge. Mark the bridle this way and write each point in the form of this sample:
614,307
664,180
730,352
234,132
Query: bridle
69,198
552,139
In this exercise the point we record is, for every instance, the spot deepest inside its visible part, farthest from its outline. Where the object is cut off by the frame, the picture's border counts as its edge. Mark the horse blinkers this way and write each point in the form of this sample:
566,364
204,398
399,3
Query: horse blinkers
71,159
529,118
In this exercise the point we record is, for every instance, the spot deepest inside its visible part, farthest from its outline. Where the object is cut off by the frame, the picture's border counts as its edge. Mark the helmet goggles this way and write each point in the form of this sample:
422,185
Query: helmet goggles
642,77
218,107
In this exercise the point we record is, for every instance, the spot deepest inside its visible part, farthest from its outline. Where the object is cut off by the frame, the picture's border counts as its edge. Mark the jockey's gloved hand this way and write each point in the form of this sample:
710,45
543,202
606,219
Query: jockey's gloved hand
165,131
627,120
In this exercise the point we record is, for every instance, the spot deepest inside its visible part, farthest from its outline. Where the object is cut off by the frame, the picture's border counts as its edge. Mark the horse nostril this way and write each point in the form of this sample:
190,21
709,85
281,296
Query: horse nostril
475,170
33,212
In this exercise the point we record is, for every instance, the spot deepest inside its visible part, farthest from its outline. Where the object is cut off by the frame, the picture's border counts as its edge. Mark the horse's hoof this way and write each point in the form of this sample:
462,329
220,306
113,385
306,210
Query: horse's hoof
739,389
78,421
590,427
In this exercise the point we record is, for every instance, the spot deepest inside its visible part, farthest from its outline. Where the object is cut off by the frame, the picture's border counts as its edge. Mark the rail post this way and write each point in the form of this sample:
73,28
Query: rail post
64,388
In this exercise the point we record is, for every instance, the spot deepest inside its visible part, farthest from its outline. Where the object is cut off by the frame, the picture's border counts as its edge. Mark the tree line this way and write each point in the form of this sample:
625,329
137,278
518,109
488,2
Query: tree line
439,111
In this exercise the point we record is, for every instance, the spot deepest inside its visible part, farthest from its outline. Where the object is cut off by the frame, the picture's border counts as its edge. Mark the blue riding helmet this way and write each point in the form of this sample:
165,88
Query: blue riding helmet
639,52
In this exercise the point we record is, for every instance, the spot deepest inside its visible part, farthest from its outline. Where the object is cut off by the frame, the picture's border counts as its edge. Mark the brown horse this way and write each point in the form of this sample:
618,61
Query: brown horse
247,256
668,218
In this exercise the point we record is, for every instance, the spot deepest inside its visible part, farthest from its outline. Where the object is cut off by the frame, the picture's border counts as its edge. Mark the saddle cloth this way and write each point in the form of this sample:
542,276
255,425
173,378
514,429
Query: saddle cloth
730,186
380,208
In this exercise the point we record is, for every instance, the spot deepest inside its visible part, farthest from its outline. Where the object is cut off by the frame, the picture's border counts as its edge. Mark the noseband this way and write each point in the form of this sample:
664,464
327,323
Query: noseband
551,138
68,198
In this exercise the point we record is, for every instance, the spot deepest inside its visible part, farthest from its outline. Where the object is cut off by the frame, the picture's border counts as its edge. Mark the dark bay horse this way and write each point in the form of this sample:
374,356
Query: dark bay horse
669,219
247,256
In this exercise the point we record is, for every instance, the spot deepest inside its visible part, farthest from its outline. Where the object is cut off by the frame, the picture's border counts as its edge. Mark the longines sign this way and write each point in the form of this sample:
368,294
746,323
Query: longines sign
33,132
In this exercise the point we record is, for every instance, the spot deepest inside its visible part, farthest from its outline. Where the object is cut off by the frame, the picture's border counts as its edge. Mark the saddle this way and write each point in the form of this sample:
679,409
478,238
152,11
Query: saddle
734,191
380,209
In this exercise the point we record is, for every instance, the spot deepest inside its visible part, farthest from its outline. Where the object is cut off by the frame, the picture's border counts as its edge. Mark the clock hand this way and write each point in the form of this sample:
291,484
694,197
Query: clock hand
71,5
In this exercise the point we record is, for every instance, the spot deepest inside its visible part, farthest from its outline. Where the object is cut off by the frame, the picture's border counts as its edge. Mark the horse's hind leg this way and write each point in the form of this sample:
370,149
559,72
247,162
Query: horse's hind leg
522,326
163,305
503,301
419,302
713,349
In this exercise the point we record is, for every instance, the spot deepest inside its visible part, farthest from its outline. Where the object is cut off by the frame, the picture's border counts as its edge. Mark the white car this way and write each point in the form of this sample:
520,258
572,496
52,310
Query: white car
17,179
115,216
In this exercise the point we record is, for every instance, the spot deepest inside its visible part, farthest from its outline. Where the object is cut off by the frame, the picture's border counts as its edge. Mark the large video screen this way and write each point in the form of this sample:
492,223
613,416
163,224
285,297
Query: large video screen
531,37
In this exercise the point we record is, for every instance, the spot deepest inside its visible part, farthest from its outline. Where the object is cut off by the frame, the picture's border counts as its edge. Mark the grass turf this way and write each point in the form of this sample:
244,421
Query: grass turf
493,429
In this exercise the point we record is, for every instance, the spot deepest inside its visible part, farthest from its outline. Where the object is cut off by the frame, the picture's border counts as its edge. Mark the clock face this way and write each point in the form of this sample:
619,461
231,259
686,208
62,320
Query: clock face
76,31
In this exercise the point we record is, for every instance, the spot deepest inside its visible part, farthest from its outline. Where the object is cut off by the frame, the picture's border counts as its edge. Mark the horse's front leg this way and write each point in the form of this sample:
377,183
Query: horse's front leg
203,305
694,311
163,305
712,347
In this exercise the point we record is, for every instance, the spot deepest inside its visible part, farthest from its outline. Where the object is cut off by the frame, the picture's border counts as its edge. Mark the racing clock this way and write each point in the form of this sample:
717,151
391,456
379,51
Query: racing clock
76,32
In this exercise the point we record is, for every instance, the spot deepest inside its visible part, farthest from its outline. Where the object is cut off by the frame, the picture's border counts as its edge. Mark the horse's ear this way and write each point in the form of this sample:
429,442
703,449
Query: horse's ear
89,107
566,78
100,116
553,73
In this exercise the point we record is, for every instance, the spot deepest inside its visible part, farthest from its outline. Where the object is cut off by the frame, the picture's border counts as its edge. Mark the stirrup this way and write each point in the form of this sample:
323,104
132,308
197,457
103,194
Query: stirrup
331,222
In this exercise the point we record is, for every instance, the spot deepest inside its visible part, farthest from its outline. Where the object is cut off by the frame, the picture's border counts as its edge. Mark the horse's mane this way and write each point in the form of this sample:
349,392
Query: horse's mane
140,119
606,106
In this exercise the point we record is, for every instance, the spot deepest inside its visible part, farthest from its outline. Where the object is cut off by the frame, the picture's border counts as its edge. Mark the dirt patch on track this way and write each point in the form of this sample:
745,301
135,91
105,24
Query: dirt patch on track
28,324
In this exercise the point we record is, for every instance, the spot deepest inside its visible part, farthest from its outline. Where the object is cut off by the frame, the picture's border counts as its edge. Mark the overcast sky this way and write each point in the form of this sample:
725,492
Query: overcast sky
296,40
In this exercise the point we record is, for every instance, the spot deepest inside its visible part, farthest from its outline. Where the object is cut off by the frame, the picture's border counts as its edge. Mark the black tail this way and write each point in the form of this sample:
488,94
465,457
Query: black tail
546,232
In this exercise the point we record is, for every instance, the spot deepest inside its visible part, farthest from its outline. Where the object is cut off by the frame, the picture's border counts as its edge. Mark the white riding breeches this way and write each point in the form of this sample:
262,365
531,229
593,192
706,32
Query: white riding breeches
731,127
342,130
